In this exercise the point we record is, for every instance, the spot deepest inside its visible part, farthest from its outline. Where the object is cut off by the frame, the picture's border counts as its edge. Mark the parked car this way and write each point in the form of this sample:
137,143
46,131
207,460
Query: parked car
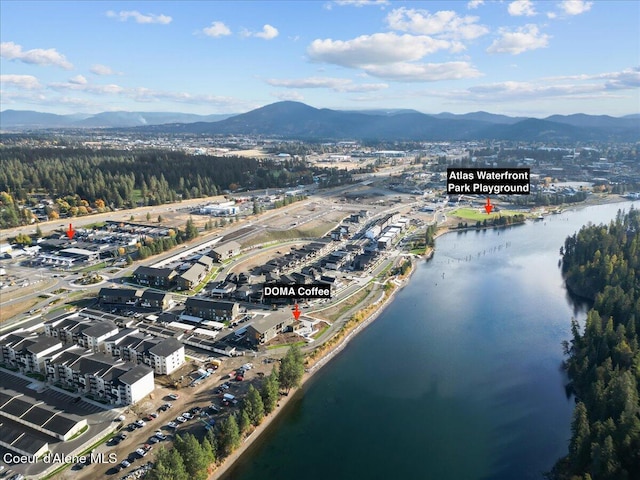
195,410
140,423
160,436
172,425
141,452
125,463
173,396
181,419
153,439
132,427
187,415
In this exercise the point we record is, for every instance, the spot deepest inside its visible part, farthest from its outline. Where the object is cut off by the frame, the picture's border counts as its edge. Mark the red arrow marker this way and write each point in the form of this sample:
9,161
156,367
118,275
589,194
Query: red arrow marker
71,232
296,312
488,207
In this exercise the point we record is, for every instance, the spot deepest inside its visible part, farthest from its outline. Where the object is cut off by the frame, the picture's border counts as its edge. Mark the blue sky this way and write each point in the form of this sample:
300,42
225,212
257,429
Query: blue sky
523,57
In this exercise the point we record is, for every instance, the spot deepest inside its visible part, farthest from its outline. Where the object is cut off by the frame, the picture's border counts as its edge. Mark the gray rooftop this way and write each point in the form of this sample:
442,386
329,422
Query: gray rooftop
135,374
166,347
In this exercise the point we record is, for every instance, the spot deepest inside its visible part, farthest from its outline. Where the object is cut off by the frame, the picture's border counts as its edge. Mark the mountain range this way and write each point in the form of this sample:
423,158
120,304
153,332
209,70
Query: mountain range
30,120
297,120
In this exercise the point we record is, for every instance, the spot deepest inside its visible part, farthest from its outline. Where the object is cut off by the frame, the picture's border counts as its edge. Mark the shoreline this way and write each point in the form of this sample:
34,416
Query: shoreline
230,461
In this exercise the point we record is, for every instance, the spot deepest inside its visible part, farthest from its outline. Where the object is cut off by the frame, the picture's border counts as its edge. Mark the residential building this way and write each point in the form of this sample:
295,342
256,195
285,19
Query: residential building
192,277
155,277
225,251
118,296
211,309
156,300
167,356
94,336
98,375
27,351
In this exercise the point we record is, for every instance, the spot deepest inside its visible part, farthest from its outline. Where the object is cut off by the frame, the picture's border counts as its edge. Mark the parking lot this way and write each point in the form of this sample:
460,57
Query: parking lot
194,401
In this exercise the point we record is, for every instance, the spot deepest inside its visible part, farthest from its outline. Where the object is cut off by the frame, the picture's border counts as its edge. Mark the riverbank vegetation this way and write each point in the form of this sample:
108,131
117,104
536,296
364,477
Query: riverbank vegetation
193,459
602,262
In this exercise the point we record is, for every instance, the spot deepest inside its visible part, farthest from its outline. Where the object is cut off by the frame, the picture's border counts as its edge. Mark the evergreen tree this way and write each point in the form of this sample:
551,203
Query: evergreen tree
191,231
195,461
291,369
269,391
253,406
244,423
229,435
209,452
168,466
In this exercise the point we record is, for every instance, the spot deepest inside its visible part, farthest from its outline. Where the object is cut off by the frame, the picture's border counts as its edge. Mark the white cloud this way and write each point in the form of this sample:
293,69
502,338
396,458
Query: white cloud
508,90
516,42
78,80
28,82
289,95
102,70
37,56
217,29
360,3
376,49
138,17
100,89
335,84
444,23
551,15
473,4
519,8
575,7
627,79
268,32
424,72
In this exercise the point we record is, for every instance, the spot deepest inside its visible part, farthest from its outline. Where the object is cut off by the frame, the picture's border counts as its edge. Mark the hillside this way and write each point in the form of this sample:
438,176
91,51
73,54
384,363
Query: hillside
300,121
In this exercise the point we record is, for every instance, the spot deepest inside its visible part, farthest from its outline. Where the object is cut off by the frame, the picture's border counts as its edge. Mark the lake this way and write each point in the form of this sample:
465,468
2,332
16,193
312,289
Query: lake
458,379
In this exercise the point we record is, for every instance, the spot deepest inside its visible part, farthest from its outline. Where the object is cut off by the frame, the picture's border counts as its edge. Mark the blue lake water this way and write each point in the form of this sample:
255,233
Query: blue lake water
459,379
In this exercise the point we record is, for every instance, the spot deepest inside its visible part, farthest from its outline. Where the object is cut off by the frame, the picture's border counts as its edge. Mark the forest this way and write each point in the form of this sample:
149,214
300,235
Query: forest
601,262
82,180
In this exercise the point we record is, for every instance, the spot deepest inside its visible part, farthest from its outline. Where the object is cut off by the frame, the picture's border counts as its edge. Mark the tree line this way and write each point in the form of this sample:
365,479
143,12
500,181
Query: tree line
82,180
601,262
193,459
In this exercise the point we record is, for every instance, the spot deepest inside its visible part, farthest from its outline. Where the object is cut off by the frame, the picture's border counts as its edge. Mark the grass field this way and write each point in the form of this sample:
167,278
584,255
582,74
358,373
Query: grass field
476,214
276,236
336,311
8,311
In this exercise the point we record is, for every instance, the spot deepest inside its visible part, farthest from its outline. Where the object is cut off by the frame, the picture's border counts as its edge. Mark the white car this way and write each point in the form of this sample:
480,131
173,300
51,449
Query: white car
187,415
172,425
173,396
160,435
140,423
141,452
181,419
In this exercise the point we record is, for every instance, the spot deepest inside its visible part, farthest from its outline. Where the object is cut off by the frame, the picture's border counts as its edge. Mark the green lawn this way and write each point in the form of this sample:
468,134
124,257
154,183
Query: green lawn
476,214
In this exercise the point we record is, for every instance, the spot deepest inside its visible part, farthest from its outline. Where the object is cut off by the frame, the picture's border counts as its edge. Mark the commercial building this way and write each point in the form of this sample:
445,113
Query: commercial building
263,329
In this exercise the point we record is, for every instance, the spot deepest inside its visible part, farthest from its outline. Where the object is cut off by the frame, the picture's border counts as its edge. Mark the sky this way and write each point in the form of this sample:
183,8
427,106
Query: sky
523,57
